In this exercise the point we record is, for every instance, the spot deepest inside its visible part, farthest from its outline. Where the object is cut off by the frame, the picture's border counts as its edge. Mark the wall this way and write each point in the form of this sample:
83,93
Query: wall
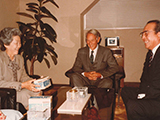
122,14
8,15
126,19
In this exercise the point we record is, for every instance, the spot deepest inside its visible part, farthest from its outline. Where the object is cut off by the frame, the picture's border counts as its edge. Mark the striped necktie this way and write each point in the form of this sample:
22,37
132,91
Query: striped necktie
150,58
91,57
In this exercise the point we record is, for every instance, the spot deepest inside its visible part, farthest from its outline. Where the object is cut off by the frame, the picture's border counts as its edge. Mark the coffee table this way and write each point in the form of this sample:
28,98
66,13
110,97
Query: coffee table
105,113
74,107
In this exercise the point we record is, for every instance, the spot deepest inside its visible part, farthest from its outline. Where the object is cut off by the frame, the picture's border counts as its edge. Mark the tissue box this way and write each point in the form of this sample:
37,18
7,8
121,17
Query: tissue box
43,82
40,104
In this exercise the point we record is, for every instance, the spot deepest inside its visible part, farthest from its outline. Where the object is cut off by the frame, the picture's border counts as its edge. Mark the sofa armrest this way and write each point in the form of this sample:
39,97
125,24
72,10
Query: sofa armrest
69,72
7,98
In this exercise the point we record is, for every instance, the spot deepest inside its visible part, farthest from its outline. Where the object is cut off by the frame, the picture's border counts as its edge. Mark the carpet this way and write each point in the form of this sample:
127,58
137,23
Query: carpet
120,111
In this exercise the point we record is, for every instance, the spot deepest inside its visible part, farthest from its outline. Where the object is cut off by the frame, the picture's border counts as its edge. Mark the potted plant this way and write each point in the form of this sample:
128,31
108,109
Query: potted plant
35,35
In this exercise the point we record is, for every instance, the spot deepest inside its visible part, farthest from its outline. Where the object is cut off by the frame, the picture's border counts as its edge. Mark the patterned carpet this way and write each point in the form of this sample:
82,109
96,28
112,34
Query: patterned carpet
120,111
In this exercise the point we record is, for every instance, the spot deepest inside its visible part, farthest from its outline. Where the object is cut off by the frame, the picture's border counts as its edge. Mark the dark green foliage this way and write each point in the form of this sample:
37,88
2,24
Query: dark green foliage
35,35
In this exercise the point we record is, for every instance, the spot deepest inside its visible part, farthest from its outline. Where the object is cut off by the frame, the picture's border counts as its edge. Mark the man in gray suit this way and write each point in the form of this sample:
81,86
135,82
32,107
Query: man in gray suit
94,64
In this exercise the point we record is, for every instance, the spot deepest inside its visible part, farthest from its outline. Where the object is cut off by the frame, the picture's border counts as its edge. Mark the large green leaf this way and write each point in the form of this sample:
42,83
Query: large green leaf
46,11
22,27
25,14
47,62
54,59
32,10
44,16
49,32
38,17
40,57
49,36
33,4
53,2
27,46
30,31
28,49
45,54
25,62
21,23
27,30
51,49
35,49
32,7
41,43
28,24
40,0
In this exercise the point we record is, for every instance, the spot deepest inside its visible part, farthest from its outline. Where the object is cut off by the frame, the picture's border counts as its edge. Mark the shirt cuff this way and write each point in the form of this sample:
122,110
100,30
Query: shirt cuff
19,87
83,74
101,76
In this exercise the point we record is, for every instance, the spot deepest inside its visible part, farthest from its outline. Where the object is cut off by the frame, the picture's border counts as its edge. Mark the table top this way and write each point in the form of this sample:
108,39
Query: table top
105,113
74,107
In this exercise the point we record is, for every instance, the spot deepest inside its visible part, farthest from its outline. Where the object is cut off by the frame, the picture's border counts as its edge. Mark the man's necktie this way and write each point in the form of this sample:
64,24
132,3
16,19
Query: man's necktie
91,57
150,58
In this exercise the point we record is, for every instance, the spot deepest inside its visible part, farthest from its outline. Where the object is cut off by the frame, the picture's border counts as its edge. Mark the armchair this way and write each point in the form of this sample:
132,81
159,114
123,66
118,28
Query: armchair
116,79
8,100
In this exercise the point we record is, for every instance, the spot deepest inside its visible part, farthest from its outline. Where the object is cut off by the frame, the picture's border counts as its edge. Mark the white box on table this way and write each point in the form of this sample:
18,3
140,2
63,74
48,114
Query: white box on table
43,82
41,103
74,107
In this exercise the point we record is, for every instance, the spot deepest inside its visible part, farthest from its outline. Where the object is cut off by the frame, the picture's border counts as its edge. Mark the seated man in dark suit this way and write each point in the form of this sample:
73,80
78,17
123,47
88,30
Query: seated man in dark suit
94,64
143,103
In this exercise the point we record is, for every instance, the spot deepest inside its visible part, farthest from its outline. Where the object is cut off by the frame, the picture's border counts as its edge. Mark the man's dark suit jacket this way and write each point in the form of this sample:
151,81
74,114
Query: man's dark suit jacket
104,63
150,79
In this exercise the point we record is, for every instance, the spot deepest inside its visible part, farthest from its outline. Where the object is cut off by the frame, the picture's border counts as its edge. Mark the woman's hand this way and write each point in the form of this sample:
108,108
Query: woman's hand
2,116
30,85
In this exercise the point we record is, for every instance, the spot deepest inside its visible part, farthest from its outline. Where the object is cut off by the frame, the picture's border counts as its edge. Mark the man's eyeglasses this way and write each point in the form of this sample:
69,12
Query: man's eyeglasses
146,32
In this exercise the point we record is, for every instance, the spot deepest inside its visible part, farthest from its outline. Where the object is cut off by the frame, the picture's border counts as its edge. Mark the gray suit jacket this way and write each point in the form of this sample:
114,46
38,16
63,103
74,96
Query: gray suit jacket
104,63
6,74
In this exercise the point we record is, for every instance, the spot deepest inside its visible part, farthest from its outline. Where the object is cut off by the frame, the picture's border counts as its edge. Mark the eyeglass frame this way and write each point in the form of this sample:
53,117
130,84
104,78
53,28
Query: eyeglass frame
146,32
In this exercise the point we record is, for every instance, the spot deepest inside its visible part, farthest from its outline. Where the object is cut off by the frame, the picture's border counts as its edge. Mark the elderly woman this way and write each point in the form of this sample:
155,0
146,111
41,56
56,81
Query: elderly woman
12,72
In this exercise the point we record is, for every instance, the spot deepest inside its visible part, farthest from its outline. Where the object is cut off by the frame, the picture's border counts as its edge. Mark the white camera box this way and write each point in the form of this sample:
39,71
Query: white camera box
41,104
43,83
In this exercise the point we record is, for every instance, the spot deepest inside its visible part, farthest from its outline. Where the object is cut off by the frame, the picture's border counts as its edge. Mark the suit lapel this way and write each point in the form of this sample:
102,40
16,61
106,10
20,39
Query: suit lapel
98,58
99,54
87,57
157,52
